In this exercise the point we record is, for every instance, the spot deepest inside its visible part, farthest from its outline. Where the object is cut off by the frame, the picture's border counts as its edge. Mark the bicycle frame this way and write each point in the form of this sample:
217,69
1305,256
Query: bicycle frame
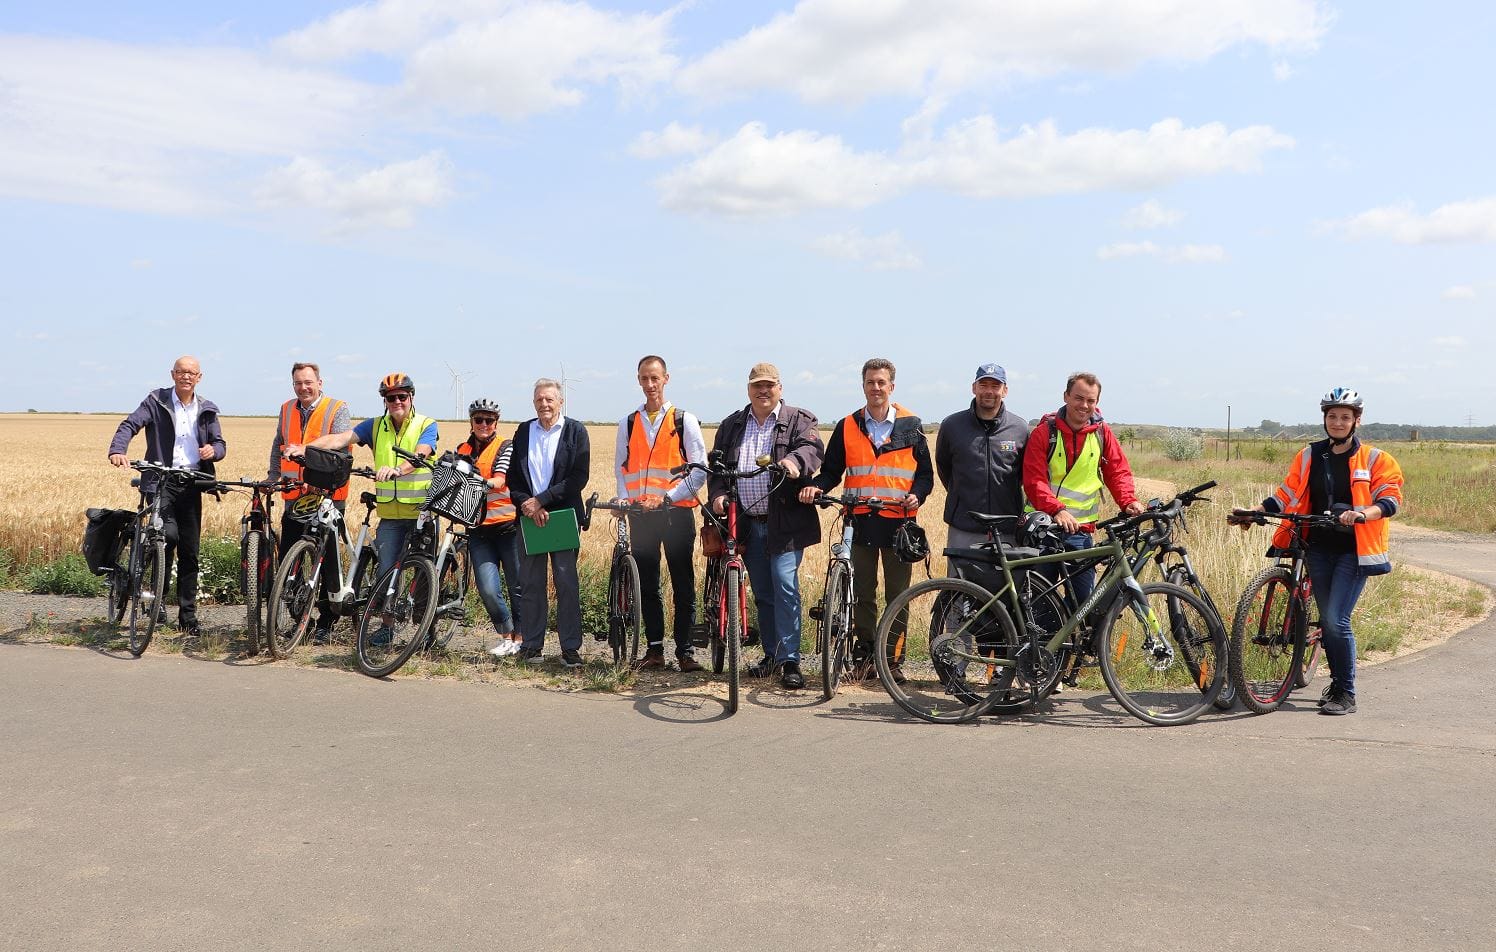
330,523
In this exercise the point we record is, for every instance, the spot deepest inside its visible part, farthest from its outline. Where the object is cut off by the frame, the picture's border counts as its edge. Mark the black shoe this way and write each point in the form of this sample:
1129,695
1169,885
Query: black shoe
189,627
761,670
1339,702
529,654
1324,696
161,615
571,658
791,677
322,634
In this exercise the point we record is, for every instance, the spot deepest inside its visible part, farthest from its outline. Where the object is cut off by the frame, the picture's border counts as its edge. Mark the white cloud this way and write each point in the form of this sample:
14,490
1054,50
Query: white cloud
1473,220
674,139
384,197
886,252
511,59
1151,214
753,173
1173,254
850,50
1459,292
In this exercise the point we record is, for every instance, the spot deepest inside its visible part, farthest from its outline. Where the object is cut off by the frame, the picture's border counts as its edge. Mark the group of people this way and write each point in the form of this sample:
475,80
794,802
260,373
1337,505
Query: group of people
987,457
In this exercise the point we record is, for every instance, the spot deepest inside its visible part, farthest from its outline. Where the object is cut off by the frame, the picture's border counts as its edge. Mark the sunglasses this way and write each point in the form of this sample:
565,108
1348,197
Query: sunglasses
485,421
396,397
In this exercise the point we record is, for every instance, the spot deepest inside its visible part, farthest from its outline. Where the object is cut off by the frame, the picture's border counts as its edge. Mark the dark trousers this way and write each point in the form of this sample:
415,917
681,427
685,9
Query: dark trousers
534,606
674,529
182,520
896,577
291,532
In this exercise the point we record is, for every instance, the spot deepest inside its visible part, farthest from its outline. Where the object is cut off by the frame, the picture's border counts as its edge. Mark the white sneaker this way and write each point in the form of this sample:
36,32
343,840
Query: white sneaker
504,649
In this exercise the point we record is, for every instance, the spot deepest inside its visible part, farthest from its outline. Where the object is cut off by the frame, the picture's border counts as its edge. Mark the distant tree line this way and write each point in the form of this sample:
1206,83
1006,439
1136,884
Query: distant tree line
1271,429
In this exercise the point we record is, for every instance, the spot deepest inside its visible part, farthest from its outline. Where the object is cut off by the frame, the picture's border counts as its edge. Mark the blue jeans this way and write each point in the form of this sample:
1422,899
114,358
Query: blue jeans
1082,581
490,551
776,591
1337,581
389,539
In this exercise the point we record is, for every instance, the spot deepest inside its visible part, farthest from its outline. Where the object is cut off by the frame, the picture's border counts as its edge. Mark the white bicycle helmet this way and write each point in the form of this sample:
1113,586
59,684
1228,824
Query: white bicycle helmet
1340,397
483,405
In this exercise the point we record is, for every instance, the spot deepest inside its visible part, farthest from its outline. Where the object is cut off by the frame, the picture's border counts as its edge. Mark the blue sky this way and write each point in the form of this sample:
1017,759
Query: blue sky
1216,204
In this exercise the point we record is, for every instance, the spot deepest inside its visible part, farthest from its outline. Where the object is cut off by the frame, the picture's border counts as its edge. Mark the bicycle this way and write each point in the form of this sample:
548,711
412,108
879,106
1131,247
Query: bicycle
408,595
1275,643
833,616
259,545
624,590
300,584
725,598
139,574
966,659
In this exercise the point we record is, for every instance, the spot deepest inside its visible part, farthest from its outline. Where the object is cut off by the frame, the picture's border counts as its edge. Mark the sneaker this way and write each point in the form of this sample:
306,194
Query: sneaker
571,658
1324,696
382,637
687,663
504,648
653,660
528,654
322,634
761,670
1340,702
791,677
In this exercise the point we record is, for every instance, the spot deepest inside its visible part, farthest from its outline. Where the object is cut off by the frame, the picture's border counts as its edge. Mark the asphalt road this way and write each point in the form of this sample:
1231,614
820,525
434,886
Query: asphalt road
173,803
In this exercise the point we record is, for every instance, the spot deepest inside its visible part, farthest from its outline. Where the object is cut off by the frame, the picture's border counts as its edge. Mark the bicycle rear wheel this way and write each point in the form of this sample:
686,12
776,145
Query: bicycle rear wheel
1164,659
398,617
623,610
148,594
834,634
250,585
117,594
943,653
451,600
293,597
711,612
1179,576
1309,657
365,574
1267,636
732,584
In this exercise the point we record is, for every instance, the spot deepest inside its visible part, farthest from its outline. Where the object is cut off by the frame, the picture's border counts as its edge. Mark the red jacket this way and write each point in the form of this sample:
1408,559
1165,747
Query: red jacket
1115,472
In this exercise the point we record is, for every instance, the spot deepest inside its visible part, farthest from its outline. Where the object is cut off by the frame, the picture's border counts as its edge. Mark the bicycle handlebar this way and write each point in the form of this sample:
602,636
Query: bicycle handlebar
424,461
1314,520
847,500
623,506
202,479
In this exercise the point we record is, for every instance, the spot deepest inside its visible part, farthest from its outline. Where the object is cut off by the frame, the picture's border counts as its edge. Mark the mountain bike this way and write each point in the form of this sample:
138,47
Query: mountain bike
725,597
833,615
624,590
139,574
320,569
962,652
258,547
1275,639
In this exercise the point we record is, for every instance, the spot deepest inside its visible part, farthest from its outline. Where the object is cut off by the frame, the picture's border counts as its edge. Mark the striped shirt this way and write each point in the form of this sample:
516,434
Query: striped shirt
758,440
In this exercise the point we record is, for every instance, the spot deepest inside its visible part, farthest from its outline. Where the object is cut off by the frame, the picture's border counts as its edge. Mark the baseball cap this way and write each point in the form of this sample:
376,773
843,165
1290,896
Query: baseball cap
763,372
991,372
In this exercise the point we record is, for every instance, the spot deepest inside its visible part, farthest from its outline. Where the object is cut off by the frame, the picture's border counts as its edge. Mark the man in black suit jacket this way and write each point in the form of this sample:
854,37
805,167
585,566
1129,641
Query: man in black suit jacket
547,473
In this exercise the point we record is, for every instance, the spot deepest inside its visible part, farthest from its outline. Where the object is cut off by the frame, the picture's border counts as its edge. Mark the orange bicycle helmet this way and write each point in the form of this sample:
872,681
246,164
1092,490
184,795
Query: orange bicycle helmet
397,381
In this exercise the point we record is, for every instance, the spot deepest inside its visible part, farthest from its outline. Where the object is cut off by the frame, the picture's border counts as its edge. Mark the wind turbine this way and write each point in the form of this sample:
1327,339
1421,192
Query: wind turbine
457,378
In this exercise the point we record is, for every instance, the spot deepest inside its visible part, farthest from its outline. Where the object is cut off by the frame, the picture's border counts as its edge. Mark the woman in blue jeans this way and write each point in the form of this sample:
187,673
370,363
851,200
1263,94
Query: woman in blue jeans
494,545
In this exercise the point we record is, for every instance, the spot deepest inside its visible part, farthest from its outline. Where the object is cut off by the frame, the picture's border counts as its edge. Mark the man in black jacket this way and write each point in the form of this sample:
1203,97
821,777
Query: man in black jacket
775,527
979,458
181,431
547,473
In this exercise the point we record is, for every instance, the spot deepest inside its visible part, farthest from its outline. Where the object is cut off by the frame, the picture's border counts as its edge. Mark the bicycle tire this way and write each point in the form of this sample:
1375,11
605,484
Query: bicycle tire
147,595
1267,640
451,599
293,597
249,584
940,685
733,634
365,574
834,628
117,592
711,612
1146,670
625,593
1049,612
1178,575
1309,657
406,594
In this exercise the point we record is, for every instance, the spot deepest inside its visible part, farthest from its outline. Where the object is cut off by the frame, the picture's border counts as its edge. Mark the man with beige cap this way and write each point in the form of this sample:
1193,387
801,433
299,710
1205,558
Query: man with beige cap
774,526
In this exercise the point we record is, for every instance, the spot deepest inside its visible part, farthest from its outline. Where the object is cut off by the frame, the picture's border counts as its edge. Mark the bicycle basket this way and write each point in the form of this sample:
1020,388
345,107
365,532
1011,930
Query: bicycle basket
457,491
104,537
326,469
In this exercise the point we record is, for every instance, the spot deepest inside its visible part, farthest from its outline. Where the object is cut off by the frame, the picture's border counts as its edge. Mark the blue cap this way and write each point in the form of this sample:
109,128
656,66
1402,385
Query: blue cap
991,372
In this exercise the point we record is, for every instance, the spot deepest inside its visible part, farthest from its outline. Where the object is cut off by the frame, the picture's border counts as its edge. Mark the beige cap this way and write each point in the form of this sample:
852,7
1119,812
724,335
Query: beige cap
763,372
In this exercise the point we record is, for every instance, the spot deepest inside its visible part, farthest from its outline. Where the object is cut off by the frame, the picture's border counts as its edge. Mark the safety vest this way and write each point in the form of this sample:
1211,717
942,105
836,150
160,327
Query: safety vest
1077,487
292,434
400,498
500,506
869,474
1375,476
646,472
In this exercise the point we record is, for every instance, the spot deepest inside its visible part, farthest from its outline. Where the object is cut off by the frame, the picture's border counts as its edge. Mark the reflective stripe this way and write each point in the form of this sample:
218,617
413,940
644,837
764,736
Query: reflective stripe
499,507
1374,558
646,470
401,497
869,474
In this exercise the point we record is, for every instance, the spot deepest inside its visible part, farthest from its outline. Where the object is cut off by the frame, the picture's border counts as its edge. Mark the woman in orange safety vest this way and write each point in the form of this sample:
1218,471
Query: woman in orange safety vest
495,543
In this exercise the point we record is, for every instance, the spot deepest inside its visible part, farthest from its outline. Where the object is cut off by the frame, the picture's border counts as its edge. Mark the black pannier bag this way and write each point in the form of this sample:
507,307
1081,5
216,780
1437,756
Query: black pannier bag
104,537
457,491
326,469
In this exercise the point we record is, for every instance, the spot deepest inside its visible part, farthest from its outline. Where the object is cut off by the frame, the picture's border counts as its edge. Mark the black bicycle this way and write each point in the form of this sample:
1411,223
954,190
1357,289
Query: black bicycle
624,590
833,615
258,547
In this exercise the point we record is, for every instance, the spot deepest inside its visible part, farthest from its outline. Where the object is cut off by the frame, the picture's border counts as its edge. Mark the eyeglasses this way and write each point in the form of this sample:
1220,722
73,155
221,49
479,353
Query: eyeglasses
186,373
396,397
485,421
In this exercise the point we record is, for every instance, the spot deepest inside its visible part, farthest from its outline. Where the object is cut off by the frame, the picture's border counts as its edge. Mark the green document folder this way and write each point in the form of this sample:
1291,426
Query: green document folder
559,533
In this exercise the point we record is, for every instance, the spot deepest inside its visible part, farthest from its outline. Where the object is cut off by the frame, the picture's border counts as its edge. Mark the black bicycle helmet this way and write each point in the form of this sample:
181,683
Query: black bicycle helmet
397,381
1038,530
483,405
909,542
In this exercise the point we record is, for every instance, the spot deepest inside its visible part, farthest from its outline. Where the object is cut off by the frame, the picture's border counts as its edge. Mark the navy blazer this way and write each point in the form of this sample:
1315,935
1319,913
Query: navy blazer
569,478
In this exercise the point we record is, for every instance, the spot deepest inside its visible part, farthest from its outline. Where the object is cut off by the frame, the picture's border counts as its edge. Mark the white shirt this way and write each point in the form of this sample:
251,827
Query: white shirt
692,443
878,432
184,452
541,464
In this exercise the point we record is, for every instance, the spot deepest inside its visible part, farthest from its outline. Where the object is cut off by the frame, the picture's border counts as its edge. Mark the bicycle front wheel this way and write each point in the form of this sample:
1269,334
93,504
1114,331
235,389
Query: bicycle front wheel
293,596
1267,640
946,650
365,574
398,616
250,585
835,628
1163,656
711,612
1179,576
732,584
117,595
623,610
148,595
1309,656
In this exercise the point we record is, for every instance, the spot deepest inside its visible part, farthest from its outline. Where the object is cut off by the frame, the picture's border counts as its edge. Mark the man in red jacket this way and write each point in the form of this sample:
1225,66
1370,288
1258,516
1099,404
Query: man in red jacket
1070,456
